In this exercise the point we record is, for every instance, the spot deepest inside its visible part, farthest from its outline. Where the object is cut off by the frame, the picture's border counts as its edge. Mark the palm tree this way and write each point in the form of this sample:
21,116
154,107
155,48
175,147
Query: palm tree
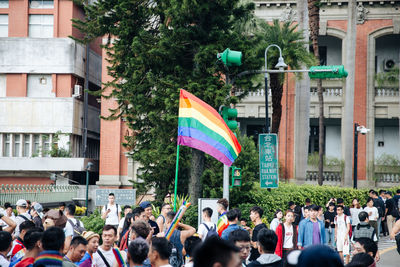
291,41
313,13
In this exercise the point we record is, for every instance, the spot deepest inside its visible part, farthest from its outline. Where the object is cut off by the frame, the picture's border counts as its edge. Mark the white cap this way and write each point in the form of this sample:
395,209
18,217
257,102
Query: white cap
22,203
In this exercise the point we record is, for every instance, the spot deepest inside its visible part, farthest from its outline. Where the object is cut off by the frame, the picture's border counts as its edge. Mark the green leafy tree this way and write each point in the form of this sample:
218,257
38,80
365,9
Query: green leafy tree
155,48
290,40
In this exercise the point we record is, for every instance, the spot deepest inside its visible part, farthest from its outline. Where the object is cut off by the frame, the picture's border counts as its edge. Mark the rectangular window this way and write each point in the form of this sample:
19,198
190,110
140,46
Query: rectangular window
41,3
40,85
7,145
36,145
3,24
46,145
27,145
41,26
3,3
17,145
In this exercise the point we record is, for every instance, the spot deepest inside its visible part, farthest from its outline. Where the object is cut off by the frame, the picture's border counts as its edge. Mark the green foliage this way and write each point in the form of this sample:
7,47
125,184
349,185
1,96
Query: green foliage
313,160
247,161
159,47
179,201
388,78
94,222
191,216
56,151
387,160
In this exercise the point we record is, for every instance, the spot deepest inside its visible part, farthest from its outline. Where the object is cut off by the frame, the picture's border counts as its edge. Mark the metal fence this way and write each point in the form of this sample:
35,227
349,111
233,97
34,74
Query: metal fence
38,193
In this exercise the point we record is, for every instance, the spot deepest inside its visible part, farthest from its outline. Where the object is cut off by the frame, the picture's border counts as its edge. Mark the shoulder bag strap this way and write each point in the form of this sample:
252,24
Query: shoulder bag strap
208,229
103,258
23,217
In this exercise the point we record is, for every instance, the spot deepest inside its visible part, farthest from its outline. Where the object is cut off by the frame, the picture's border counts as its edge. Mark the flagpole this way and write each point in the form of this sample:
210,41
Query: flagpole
176,175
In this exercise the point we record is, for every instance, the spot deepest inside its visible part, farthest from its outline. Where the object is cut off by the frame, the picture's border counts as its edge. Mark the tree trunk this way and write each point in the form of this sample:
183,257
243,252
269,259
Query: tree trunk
276,89
196,171
313,12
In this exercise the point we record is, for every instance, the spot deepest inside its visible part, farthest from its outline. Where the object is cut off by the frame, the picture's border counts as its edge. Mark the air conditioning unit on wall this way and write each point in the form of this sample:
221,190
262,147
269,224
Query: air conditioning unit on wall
389,64
78,90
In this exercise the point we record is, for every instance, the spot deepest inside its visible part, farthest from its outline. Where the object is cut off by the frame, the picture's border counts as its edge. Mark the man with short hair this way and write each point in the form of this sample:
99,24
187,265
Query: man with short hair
5,247
222,207
111,212
23,215
380,205
366,245
342,230
391,211
178,238
233,219
256,214
311,230
76,251
165,208
160,251
7,218
32,244
267,240
364,229
207,225
53,246
307,203
18,244
148,210
104,256
191,243
127,209
72,225
329,217
241,239
139,214
215,252
61,206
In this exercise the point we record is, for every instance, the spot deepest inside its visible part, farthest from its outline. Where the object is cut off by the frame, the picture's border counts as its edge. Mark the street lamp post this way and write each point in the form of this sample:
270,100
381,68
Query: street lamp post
88,167
281,64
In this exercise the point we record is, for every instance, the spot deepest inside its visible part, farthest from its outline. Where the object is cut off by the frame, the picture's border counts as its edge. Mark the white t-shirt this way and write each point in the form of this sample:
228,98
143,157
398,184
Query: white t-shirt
288,242
274,223
69,229
341,225
112,217
354,215
374,216
19,220
109,255
203,230
4,262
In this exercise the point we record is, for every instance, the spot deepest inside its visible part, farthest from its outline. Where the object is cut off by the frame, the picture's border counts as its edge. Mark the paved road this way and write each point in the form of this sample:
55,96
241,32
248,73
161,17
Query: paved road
389,255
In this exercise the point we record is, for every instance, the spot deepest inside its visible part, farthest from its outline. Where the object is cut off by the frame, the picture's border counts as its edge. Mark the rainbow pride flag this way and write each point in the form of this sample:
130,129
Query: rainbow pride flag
201,127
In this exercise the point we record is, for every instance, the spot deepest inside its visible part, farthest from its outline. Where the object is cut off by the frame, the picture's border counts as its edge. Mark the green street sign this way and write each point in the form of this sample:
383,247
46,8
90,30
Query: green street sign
269,168
327,72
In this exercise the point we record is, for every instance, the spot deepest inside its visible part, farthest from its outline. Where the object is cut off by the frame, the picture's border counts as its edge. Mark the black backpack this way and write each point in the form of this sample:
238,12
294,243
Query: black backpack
78,227
211,231
176,258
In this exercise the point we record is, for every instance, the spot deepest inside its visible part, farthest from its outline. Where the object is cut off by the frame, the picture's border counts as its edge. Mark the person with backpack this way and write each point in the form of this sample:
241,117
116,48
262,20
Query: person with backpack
177,239
207,228
363,228
73,227
342,233
23,215
111,212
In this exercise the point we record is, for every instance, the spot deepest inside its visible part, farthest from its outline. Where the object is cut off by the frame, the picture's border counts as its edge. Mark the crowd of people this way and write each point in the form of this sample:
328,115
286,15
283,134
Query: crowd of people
307,235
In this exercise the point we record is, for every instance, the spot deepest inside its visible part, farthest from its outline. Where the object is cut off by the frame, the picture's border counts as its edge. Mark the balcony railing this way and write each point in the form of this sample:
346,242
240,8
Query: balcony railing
330,174
328,92
387,174
386,92
38,193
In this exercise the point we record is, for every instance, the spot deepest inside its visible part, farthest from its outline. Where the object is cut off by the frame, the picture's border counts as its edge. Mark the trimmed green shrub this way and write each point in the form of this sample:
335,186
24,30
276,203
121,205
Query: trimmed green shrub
94,222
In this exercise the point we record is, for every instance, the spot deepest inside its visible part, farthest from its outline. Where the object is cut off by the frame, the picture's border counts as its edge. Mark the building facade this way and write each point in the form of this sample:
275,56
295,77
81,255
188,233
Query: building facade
42,75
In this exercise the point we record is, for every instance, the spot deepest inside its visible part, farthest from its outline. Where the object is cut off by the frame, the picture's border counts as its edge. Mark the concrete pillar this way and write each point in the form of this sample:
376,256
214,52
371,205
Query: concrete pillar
347,129
302,106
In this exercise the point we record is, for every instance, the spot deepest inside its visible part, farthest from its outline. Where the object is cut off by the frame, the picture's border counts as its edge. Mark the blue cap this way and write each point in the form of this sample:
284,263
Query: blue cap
145,204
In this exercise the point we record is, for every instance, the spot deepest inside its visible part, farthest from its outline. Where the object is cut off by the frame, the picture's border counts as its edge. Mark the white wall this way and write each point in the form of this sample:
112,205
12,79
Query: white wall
333,146
3,85
40,85
390,137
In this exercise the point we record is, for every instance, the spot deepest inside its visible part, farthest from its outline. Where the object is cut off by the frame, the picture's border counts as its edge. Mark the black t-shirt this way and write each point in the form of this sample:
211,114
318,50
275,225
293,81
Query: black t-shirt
391,207
331,217
380,205
254,252
154,225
